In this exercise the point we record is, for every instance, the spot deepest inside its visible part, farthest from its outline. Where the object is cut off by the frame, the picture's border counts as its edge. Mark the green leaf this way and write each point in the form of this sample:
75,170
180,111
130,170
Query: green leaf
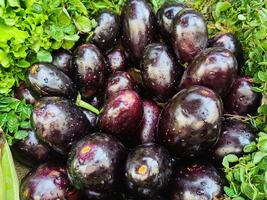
259,156
44,56
231,158
221,7
250,147
13,3
21,134
262,76
84,24
229,191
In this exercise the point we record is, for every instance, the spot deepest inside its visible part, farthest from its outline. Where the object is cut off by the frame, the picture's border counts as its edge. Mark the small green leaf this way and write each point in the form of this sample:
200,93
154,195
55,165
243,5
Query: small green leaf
250,147
21,134
231,158
44,56
229,191
241,17
262,76
259,156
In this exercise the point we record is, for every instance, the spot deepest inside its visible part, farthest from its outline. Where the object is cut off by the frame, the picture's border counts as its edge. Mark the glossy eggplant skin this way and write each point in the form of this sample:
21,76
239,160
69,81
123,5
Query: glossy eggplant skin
95,165
190,122
148,130
116,60
160,73
107,31
62,59
59,123
122,114
148,170
197,181
30,151
189,34
22,92
230,42
48,182
242,100
90,69
117,82
45,79
138,27
234,136
97,101
92,118
215,68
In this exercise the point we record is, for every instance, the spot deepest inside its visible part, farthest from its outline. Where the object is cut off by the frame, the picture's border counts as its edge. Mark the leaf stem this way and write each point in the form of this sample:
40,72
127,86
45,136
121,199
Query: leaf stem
85,105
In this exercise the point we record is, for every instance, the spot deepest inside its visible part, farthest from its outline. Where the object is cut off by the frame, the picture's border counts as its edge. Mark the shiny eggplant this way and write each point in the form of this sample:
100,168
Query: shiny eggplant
190,122
92,118
22,92
116,60
62,59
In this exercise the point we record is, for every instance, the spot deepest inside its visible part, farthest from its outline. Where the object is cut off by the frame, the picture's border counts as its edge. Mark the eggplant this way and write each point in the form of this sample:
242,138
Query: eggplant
22,92
190,122
138,27
189,34
242,100
161,74
235,135
45,79
116,60
122,114
90,69
215,68
197,180
148,170
48,182
95,165
106,33
59,123
62,59
91,117
148,130
31,152
97,101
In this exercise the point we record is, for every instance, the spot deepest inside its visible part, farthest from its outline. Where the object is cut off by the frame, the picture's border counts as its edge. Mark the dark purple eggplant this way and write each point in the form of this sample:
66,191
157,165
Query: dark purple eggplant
97,101
138,27
59,123
215,68
148,170
242,100
62,59
189,34
45,79
197,181
107,31
234,136
90,69
230,42
160,72
48,182
92,118
122,114
31,152
148,130
95,165
117,82
22,92
190,122
116,60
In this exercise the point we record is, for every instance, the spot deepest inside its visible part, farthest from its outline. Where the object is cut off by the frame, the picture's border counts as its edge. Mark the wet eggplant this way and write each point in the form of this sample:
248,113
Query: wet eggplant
22,92
190,122
138,27
45,79
161,74
148,170
90,69
116,60
215,68
189,34
242,100
92,118
95,165
59,123
107,31
48,182
62,59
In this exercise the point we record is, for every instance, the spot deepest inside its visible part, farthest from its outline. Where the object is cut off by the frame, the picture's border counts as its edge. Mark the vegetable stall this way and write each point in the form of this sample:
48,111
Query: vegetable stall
133,99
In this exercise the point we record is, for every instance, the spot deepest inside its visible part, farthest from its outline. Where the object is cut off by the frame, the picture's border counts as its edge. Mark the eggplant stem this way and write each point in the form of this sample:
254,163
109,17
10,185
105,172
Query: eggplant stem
85,105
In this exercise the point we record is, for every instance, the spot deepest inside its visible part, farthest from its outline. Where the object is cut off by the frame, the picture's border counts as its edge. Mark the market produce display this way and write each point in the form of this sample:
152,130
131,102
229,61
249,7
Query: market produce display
133,99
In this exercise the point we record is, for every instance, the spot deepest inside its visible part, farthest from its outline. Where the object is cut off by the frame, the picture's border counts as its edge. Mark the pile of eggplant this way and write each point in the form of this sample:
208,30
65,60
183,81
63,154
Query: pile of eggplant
162,129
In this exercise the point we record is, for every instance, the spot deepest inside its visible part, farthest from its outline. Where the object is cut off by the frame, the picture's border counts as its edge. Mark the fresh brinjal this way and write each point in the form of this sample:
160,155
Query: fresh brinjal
138,24
48,182
242,100
62,59
95,165
197,181
122,114
189,34
92,118
148,170
148,130
22,92
106,33
45,79
215,68
116,60
97,101
234,136
190,122
160,72
90,69
59,123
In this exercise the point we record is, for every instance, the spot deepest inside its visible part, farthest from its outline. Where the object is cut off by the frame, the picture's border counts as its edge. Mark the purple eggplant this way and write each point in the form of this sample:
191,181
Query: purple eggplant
62,59
22,92
116,60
